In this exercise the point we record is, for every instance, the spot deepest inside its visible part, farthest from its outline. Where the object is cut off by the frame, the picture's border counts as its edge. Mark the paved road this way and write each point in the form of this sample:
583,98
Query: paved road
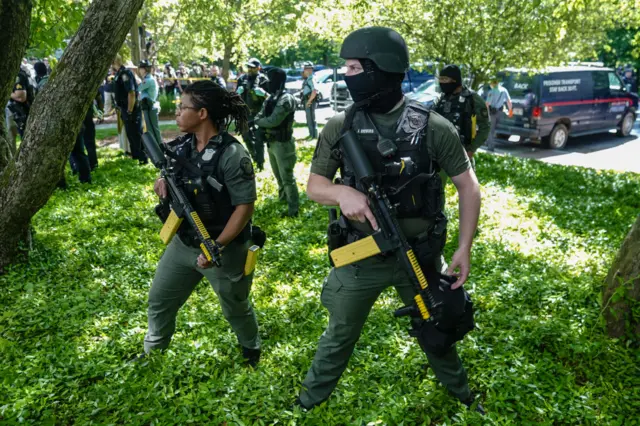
603,151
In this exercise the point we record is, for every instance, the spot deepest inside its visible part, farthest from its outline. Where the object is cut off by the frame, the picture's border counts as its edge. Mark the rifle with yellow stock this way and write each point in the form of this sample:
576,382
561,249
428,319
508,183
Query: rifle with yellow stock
180,207
389,236
441,316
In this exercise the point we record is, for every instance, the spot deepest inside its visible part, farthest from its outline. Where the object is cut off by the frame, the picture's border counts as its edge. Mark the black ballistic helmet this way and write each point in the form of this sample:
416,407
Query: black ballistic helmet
384,46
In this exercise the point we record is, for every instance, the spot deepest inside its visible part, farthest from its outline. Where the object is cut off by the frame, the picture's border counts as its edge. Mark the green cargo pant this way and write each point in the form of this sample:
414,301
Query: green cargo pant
348,294
176,277
151,120
282,156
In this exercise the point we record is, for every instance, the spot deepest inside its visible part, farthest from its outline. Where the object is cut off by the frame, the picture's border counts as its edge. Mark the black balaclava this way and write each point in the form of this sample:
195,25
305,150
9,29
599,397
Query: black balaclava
40,69
377,90
453,72
277,79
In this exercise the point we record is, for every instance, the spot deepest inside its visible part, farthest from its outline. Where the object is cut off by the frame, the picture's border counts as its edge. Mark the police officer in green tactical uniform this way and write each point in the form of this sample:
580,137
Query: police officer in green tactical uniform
309,99
276,120
385,122
464,108
204,114
254,87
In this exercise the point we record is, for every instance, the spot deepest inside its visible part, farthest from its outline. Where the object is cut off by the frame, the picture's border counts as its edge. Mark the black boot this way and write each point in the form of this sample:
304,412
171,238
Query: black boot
469,403
251,356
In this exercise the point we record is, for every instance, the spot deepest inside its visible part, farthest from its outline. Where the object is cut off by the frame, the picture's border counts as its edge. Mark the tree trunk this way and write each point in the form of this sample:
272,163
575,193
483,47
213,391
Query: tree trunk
15,16
56,115
135,43
622,288
226,60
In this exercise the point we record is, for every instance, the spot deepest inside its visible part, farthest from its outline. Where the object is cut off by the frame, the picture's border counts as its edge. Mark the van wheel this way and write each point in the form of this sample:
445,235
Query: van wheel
626,125
558,137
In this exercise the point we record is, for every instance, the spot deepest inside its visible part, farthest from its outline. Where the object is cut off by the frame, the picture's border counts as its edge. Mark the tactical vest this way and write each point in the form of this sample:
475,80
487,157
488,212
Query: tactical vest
253,101
408,176
214,207
283,131
459,110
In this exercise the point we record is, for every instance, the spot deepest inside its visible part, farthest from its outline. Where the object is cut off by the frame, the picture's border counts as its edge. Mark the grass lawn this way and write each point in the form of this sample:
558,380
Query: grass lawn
75,312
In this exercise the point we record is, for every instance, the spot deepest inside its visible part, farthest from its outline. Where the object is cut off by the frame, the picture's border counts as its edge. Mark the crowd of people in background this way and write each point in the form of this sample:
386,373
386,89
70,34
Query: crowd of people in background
131,93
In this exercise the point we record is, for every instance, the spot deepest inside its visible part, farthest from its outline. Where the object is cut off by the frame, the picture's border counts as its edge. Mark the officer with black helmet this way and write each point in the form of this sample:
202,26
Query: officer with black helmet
253,87
390,129
464,108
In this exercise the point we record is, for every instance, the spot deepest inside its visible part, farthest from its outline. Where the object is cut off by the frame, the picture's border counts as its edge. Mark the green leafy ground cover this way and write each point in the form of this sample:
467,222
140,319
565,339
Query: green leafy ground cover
76,311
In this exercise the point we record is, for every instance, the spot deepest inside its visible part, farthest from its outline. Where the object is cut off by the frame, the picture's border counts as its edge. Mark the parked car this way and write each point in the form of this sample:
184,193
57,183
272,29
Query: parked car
293,74
427,93
324,81
563,102
340,96
414,79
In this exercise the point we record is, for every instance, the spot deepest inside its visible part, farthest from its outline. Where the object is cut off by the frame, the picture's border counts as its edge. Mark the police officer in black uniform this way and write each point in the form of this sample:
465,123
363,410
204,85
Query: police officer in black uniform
22,97
464,108
253,87
125,90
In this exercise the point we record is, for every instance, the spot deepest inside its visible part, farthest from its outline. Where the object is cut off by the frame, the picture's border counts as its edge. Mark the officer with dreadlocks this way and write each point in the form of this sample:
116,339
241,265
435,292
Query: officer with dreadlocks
391,130
253,88
276,120
464,108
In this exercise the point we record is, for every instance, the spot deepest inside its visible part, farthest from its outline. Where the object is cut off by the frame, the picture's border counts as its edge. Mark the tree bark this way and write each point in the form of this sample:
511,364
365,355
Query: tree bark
15,16
622,305
56,115
226,60
135,43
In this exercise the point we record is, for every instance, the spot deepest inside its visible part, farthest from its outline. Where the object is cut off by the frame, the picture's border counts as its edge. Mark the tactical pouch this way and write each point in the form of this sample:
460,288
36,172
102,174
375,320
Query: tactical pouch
162,210
432,196
258,236
429,245
453,318
336,234
146,104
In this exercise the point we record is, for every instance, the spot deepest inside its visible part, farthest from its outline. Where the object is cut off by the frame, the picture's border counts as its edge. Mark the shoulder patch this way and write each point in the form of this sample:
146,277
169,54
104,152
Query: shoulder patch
413,118
125,77
247,168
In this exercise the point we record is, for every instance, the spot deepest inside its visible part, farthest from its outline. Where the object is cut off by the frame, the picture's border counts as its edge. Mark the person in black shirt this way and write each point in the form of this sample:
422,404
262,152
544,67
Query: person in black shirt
125,90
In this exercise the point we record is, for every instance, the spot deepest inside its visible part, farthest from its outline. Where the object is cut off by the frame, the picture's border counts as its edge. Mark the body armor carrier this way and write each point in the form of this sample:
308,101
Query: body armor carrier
284,131
214,207
459,109
253,101
404,168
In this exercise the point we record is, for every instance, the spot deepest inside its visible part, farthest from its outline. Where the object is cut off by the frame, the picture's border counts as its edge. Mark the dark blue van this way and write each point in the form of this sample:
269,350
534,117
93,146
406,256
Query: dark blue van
551,106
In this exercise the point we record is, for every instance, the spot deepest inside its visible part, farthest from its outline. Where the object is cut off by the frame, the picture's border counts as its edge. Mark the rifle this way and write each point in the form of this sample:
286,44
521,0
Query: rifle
389,236
437,328
180,206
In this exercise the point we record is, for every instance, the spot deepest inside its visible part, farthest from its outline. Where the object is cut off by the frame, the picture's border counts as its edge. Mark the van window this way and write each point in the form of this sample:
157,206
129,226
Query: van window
520,85
614,82
600,84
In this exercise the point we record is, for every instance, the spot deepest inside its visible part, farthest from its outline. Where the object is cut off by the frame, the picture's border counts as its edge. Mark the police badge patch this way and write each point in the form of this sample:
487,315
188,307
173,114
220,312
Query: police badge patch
413,120
247,168
208,154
